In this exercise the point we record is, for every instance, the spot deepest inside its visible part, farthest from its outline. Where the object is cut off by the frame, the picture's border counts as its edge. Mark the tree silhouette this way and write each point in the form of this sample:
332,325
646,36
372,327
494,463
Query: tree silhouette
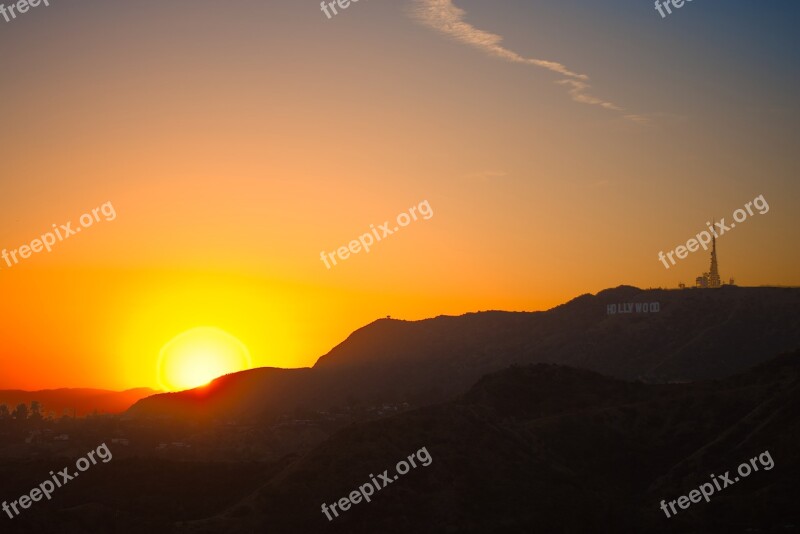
4,413
21,413
36,410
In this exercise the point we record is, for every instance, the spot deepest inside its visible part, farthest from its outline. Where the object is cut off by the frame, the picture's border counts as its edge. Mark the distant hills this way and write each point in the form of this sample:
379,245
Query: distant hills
78,401
569,420
546,448
696,334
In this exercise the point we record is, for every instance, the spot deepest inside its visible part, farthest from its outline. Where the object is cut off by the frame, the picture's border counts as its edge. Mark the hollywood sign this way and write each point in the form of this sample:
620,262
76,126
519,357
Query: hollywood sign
633,307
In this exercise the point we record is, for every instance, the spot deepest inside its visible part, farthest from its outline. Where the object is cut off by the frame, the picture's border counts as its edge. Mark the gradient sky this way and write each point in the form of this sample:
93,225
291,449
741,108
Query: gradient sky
561,146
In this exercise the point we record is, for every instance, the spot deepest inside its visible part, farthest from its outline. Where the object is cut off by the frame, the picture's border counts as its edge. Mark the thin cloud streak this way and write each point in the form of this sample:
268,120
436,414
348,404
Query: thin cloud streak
445,17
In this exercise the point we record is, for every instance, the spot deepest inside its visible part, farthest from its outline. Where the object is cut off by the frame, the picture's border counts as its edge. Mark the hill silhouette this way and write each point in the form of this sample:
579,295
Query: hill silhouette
547,448
76,401
569,420
697,334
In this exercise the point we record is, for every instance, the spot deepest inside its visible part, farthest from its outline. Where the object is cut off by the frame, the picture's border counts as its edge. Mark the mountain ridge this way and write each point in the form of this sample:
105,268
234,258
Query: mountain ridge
527,446
697,334
78,401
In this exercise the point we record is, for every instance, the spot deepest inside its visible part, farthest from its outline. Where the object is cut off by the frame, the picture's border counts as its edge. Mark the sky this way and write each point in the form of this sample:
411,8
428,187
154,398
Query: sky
559,145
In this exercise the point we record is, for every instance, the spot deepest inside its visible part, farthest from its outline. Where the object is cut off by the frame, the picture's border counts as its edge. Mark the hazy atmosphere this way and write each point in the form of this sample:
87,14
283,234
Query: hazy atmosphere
278,232
237,141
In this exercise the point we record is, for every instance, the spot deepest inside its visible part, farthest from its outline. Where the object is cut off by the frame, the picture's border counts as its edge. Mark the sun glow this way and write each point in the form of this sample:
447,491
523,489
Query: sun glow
198,356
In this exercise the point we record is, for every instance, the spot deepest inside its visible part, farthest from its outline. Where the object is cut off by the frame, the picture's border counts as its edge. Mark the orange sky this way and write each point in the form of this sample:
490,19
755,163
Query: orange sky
237,143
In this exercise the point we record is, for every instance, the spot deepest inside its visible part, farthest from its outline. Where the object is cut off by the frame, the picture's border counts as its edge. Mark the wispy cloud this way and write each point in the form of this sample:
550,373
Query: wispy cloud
444,16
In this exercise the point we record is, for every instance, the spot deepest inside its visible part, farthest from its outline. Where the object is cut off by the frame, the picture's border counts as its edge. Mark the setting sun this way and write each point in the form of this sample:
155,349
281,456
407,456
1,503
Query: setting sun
196,357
